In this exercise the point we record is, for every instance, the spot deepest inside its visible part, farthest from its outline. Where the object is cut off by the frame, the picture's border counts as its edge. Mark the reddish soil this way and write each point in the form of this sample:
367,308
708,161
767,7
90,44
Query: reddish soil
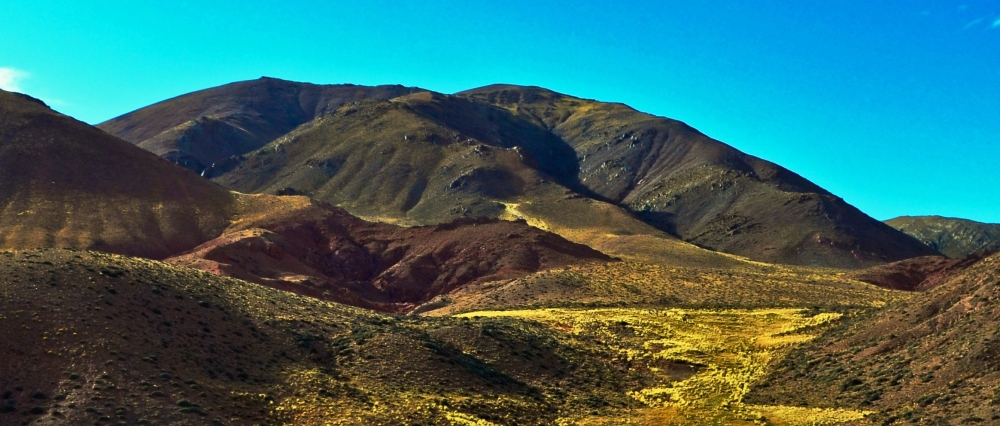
322,251
917,274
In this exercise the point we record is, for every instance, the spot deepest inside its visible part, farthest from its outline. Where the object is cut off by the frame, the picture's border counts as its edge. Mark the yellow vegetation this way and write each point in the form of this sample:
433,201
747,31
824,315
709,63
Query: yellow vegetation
698,363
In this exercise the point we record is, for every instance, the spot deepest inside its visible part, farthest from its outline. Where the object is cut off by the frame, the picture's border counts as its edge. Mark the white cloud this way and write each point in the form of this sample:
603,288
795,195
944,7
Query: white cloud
10,77
973,23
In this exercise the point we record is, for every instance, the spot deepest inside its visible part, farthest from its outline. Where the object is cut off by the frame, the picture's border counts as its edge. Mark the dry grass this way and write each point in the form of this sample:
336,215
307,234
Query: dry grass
698,363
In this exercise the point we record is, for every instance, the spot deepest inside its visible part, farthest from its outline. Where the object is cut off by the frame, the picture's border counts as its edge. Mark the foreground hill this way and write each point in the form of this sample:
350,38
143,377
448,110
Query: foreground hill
199,129
67,184
91,338
955,238
929,360
310,248
425,158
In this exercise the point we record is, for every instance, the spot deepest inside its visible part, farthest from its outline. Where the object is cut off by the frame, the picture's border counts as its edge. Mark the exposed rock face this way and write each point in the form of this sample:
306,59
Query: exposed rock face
322,251
955,238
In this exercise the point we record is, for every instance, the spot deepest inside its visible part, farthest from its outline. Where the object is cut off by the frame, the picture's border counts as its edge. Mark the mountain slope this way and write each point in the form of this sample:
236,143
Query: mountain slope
209,126
702,190
929,360
67,184
425,158
955,238
96,338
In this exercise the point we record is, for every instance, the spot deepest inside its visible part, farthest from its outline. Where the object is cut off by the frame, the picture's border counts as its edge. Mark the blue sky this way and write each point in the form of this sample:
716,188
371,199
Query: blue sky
892,105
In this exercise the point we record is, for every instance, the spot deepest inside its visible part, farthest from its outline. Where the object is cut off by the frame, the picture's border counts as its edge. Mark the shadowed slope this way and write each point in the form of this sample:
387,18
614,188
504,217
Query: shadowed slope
67,184
310,248
955,238
932,359
205,127
702,190
95,338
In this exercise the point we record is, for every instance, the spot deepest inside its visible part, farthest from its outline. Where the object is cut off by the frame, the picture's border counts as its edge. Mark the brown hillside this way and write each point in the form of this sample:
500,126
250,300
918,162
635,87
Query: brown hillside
295,244
93,338
932,359
954,238
702,190
917,274
205,127
67,184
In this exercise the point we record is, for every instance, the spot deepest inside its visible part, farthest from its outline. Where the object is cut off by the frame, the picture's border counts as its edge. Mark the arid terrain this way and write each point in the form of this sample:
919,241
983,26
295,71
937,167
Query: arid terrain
278,253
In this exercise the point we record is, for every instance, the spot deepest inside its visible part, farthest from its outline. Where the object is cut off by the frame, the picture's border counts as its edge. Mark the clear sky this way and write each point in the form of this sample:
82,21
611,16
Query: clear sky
893,105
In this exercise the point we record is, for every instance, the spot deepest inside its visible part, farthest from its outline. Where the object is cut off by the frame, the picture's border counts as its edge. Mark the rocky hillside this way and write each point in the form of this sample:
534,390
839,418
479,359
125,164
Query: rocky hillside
67,184
93,338
200,129
700,189
955,238
928,360
427,158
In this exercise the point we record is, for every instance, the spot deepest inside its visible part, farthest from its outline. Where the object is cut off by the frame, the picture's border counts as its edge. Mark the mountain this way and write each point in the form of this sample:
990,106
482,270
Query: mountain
310,248
932,359
67,184
955,238
91,338
427,158
199,129
702,190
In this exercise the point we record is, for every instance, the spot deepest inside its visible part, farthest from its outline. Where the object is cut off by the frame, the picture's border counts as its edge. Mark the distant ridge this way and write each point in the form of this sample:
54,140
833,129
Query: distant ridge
953,237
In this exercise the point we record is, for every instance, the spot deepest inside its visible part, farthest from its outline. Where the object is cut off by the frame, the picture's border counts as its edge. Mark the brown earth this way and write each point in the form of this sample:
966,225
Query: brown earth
206,127
426,158
67,184
94,338
310,248
917,274
702,190
932,359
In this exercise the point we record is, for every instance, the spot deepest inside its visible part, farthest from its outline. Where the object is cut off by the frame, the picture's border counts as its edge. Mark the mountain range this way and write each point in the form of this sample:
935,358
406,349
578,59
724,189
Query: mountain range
273,252
425,157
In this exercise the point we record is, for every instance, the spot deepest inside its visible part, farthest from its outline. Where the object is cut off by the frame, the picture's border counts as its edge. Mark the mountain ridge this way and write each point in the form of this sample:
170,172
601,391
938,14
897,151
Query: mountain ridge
537,144
954,237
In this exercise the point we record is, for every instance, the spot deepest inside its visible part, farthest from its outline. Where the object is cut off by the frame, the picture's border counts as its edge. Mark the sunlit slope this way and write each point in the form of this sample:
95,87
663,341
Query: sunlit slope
206,127
929,360
702,190
64,183
91,337
636,284
953,237
690,366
